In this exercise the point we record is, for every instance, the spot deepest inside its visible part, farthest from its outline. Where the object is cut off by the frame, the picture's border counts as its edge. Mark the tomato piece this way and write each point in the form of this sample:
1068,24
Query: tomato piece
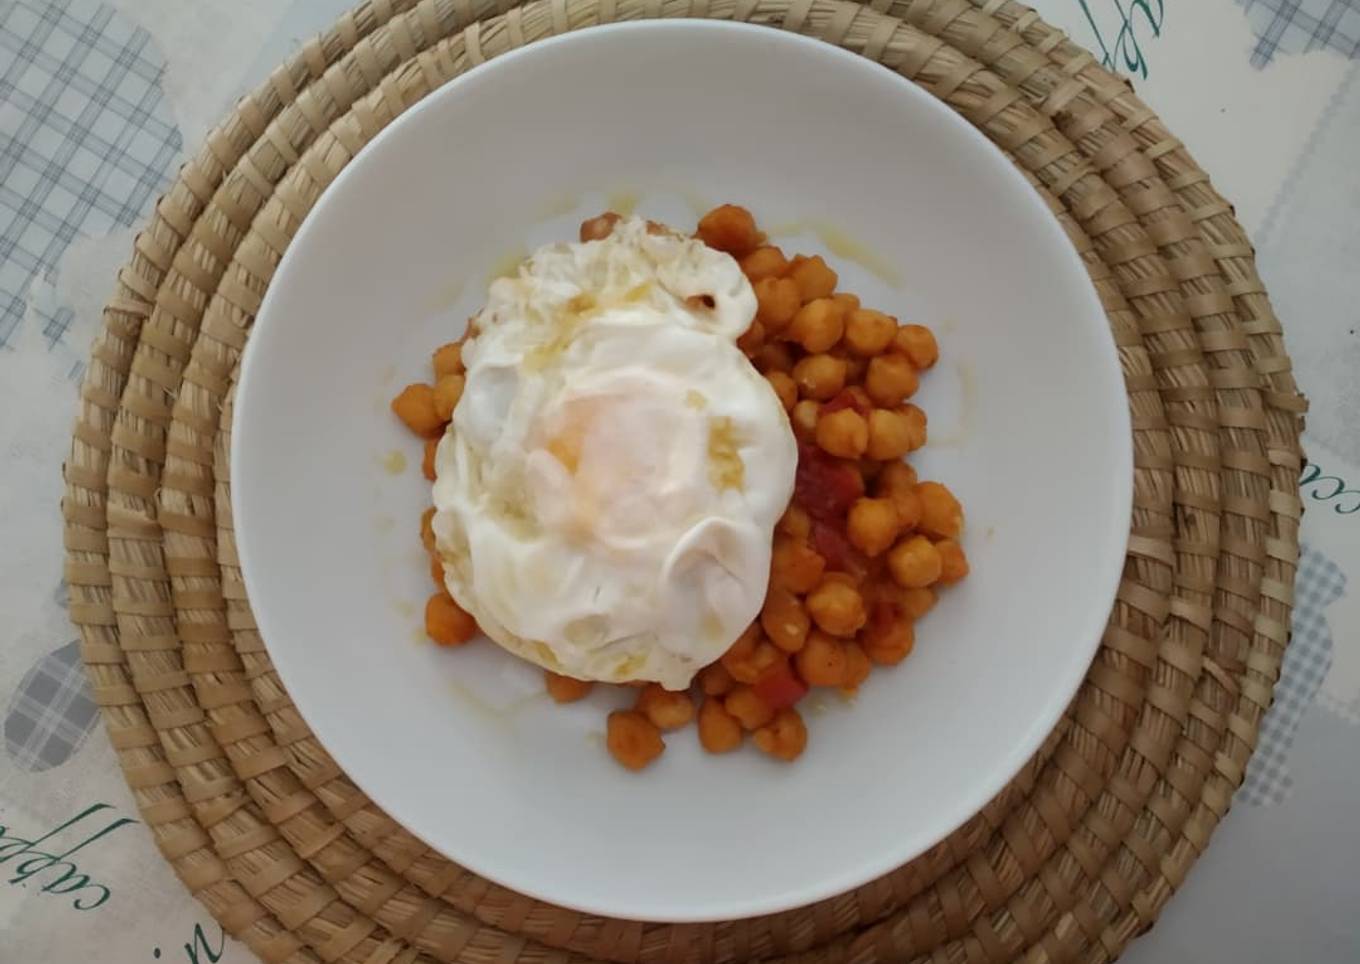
824,487
780,688
832,545
846,399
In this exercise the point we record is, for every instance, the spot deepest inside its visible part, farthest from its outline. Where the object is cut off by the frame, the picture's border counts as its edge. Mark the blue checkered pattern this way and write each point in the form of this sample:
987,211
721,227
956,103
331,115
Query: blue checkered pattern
1319,583
84,146
1298,26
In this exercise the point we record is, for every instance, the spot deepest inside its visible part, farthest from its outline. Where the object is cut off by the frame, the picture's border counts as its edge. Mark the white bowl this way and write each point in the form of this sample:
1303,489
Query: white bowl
1028,418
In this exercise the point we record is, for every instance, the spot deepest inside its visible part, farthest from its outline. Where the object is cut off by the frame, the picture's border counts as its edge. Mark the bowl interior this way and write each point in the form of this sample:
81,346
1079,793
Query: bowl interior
923,218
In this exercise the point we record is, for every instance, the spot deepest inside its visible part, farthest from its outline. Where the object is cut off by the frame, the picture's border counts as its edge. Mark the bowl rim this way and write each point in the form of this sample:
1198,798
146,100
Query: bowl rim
1028,740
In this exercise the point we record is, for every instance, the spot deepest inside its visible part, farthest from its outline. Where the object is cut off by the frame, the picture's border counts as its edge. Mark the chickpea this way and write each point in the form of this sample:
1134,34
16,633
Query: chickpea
719,730
815,279
448,360
599,228
715,680
785,387
427,459
818,325
766,261
844,433
437,572
847,301
869,332
416,407
820,377
774,356
890,435
954,564
447,623
837,608
752,338
872,525
427,529
807,415
794,565
918,344
889,379
667,710
915,563
749,709
795,522
857,666
916,424
447,391
751,656
784,621
897,482
633,740
729,228
941,514
887,644
784,738
565,689
823,661
777,302
916,602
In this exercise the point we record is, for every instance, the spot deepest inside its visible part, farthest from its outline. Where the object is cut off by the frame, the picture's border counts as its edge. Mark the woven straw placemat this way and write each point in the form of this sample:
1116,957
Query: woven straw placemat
1071,861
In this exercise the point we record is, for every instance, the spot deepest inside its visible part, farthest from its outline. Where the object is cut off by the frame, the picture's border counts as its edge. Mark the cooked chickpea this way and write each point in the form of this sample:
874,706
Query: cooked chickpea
427,529
872,525
820,377
715,680
751,656
766,261
437,572
774,356
777,303
941,514
794,565
918,344
749,709
857,666
565,689
890,435
447,391
836,608
916,424
815,279
427,458
599,228
823,661
666,709
805,417
729,228
847,301
785,387
954,564
844,433
889,379
633,740
917,601
752,338
719,730
888,643
897,482
869,332
784,738
416,407
447,623
795,522
818,325
448,360
915,562
784,620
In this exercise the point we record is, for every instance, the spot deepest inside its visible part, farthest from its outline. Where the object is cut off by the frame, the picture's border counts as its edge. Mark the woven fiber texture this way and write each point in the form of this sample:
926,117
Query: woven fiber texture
1070,862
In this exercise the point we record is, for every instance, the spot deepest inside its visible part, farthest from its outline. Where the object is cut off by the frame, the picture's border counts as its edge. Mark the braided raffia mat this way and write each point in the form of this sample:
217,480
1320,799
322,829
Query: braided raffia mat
1071,861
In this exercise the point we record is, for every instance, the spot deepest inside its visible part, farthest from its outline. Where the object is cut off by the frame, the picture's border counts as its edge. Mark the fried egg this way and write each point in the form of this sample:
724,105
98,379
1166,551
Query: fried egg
607,491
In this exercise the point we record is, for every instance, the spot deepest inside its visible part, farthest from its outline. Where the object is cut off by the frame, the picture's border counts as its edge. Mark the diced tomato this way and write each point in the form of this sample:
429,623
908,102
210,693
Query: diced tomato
780,688
832,545
846,399
883,617
824,487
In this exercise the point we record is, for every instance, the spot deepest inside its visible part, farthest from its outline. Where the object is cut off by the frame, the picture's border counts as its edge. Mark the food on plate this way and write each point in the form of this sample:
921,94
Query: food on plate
677,463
